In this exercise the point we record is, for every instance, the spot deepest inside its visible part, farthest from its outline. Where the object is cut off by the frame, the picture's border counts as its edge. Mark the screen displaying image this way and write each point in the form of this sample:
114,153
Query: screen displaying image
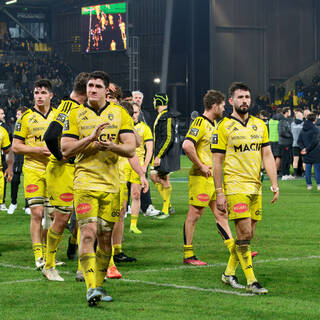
103,27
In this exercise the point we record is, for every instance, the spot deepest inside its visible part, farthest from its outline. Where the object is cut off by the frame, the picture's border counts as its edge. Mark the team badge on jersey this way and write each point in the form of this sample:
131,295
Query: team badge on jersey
254,127
110,116
215,139
66,125
61,117
18,127
194,132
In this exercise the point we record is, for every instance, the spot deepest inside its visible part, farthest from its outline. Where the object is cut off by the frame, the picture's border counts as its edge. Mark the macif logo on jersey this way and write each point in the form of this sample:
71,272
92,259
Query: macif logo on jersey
83,208
248,147
240,207
66,197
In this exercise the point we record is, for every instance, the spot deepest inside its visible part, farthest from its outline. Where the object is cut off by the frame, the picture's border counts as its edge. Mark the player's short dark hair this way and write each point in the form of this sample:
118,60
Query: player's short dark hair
100,75
126,94
311,116
212,97
285,110
298,110
238,86
22,109
117,93
128,106
43,83
80,83
264,113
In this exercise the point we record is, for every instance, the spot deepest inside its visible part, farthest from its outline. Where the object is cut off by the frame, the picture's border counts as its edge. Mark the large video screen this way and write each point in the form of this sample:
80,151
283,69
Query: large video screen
104,27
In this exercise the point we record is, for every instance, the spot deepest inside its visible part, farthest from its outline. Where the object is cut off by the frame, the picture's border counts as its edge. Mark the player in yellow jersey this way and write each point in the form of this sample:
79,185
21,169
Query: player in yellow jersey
28,140
8,174
239,145
144,153
97,133
201,185
59,175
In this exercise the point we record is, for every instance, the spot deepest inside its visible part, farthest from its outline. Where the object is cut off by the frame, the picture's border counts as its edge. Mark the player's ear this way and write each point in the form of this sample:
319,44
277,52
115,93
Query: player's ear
51,95
230,100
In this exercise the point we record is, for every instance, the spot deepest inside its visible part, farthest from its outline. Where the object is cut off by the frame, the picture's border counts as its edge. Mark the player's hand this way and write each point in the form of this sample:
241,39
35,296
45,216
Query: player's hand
144,184
156,161
275,190
105,145
44,151
221,202
8,174
97,131
206,170
303,151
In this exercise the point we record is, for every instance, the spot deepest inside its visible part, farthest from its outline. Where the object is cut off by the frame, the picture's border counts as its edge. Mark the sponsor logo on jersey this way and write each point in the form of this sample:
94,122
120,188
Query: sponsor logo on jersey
66,197
66,125
215,139
194,132
61,117
258,213
18,127
32,188
240,207
83,208
256,136
84,118
115,213
203,197
247,147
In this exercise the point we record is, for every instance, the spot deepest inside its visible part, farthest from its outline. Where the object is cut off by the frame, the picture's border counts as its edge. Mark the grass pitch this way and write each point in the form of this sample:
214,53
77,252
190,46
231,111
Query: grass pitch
158,285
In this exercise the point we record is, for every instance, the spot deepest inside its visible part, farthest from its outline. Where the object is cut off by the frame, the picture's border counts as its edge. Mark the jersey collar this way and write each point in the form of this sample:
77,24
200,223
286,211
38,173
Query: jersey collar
204,117
243,123
43,115
98,113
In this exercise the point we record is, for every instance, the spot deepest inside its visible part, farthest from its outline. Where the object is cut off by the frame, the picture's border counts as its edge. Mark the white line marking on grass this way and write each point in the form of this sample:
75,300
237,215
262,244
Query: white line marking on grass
20,281
176,286
221,264
5,265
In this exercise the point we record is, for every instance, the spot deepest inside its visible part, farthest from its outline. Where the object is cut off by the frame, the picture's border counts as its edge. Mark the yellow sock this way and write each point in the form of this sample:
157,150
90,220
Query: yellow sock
37,250
134,220
244,254
78,241
111,262
233,259
188,251
166,199
44,251
88,265
117,248
53,240
102,263
159,187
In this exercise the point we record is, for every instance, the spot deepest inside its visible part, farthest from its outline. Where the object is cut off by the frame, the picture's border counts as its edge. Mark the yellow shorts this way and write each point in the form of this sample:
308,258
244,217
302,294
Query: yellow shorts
131,175
34,183
201,191
1,186
123,193
94,206
245,206
59,177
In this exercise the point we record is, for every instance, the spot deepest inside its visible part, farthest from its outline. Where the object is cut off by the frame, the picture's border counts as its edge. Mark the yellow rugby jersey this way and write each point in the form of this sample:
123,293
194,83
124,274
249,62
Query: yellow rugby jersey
31,128
60,116
4,141
98,171
145,133
241,144
200,133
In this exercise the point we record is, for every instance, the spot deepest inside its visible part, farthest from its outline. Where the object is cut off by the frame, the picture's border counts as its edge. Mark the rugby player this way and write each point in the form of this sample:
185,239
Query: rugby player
239,145
97,133
28,140
59,175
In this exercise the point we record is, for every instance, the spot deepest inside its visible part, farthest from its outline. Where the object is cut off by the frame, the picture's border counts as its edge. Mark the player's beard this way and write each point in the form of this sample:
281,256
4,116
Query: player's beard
241,111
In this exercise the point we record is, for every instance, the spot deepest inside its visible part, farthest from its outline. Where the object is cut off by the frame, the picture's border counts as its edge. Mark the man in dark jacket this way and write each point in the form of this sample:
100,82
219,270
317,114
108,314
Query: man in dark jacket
310,149
285,144
164,142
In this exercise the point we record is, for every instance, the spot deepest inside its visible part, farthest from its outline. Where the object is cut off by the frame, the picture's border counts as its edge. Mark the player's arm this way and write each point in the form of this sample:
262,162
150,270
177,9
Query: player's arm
134,163
270,167
51,138
148,155
218,159
71,145
138,138
19,147
126,148
188,147
8,174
